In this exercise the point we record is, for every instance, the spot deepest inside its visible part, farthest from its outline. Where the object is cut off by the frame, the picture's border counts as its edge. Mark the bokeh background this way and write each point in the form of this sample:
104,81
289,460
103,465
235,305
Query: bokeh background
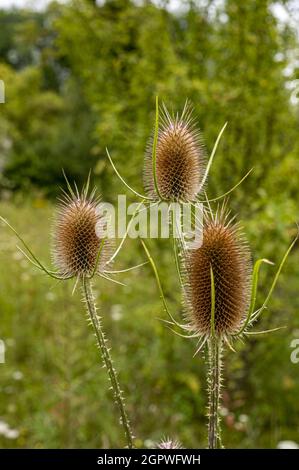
80,76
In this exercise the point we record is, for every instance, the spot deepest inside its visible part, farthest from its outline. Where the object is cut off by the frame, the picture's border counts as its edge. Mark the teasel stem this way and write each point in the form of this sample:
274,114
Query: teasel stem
106,357
214,391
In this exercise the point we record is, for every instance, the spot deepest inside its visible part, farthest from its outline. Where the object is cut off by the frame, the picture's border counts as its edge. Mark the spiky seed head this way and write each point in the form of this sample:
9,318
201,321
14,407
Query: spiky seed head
169,444
225,249
180,158
76,238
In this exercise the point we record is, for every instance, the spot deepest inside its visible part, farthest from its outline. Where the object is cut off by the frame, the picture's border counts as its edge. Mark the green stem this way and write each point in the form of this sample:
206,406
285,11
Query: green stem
214,388
118,394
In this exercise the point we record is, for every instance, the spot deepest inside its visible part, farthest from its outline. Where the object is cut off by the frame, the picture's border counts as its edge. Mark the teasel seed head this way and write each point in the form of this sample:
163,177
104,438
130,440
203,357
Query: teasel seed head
225,250
76,238
168,443
180,158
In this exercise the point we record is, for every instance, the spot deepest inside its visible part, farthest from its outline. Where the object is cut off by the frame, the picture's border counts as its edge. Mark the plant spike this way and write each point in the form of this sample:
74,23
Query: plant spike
276,277
154,152
212,157
36,260
123,181
231,189
255,277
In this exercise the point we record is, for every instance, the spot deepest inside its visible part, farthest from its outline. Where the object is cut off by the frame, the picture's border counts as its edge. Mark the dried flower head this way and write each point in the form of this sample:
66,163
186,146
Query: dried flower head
76,239
168,443
180,158
225,250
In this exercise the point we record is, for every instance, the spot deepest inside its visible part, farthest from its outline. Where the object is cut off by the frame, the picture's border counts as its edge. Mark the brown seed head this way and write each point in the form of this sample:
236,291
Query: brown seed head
225,250
180,158
169,444
76,243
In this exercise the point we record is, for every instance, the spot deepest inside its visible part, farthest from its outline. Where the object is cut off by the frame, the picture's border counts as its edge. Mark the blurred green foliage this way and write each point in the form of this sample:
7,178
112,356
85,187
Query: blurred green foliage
79,78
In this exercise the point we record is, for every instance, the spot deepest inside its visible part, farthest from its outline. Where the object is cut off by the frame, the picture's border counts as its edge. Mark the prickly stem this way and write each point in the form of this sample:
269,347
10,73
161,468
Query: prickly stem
214,390
106,357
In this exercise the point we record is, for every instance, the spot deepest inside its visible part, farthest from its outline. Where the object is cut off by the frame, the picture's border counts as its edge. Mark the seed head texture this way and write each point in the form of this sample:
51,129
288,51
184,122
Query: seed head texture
180,159
76,243
226,251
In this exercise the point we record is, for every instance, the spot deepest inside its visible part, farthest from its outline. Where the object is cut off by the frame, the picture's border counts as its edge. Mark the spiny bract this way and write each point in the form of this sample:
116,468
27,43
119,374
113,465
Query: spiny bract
225,250
168,443
76,239
180,158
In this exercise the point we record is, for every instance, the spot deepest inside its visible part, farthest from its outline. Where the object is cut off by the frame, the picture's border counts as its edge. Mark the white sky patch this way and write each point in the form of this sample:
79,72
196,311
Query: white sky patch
281,12
32,4
288,14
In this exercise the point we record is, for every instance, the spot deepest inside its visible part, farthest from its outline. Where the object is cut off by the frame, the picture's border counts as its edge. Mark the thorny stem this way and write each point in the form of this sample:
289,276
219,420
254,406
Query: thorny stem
118,394
214,389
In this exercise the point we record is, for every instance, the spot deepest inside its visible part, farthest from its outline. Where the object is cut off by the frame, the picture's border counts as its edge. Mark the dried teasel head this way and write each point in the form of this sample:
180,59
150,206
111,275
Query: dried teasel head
168,443
78,248
180,158
224,250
